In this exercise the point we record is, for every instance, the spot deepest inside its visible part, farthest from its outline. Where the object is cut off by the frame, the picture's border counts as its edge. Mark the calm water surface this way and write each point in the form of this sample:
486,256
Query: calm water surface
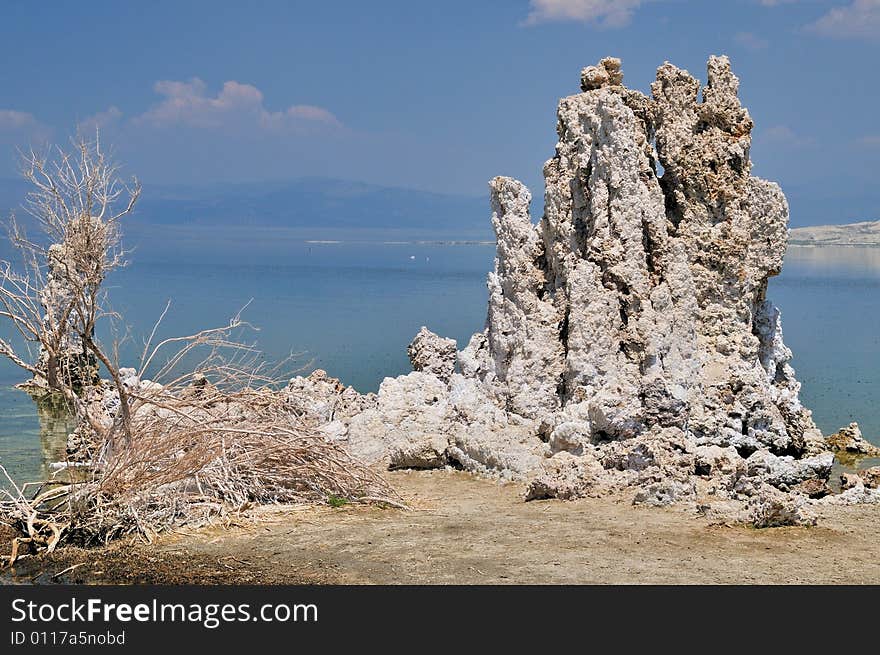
351,309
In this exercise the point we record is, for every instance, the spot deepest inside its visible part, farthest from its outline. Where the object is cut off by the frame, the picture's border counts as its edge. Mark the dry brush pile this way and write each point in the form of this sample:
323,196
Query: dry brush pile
210,434
199,452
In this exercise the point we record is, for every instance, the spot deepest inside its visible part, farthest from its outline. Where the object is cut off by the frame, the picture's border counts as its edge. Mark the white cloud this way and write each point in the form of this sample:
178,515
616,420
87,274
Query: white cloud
194,132
785,136
20,128
189,104
16,120
603,13
298,113
860,19
101,120
750,41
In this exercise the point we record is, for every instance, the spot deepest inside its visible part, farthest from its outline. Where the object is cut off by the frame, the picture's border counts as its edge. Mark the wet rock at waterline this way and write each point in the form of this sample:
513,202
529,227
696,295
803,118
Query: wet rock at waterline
849,441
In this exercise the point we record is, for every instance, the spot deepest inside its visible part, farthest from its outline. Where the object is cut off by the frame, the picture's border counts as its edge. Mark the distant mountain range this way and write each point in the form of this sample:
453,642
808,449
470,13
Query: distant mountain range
866,233
302,203
339,208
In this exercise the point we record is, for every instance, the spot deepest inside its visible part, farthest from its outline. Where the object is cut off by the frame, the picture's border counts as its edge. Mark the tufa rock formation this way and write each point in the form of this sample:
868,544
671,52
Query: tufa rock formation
848,441
629,340
431,353
629,343
72,363
639,300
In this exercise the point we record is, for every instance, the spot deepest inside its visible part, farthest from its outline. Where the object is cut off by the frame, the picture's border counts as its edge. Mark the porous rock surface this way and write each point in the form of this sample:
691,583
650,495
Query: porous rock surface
72,362
431,353
849,440
629,341
326,401
639,300
421,421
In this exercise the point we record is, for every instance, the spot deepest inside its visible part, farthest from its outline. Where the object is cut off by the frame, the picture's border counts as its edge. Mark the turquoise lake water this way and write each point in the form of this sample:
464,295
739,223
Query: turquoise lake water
351,309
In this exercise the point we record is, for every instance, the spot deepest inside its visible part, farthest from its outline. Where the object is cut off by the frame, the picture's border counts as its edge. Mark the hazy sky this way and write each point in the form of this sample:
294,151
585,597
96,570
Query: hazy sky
430,95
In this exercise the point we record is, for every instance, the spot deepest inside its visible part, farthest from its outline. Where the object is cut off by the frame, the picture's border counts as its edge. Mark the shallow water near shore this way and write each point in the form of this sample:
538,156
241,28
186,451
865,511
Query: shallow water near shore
352,307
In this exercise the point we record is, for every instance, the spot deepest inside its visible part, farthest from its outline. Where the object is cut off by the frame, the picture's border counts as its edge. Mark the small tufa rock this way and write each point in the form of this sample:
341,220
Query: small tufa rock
857,494
73,361
850,440
786,470
850,481
871,477
325,399
714,460
566,477
569,437
664,493
607,73
431,353
814,488
771,508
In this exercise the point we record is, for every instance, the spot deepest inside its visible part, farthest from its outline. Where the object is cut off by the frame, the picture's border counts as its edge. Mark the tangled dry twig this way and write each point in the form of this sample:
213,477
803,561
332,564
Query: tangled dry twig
198,453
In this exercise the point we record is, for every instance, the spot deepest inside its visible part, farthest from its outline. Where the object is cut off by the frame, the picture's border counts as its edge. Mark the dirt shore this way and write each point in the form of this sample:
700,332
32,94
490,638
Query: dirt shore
468,530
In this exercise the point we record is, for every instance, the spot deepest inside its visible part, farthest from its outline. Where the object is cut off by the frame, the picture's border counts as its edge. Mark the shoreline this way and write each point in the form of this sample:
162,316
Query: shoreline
465,529
806,244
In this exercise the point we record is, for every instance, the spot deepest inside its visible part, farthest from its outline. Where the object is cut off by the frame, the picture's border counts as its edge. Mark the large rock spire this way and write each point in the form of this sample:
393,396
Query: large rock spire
639,300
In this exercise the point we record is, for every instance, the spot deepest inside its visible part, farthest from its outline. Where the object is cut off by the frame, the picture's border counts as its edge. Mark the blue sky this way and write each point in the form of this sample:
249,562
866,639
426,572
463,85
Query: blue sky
438,96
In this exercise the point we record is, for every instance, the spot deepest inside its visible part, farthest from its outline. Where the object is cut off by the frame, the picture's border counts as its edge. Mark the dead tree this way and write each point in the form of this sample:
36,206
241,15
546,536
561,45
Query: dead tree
213,431
55,298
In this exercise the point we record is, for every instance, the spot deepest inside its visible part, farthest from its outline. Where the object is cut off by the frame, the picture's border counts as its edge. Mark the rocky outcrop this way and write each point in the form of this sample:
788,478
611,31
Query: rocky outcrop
69,361
871,477
326,402
639,300
868,478
813,488
854,492
420,421
430,353
849,441
629,340
773,509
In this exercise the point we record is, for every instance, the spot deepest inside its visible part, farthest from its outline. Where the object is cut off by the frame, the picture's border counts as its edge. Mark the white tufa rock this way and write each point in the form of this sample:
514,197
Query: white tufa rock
639,300
629,340
74,362
430,353
770,508
420,421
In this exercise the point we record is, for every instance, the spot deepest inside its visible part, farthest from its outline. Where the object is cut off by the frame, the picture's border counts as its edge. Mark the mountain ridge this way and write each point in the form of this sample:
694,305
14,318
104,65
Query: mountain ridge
319,203
309,202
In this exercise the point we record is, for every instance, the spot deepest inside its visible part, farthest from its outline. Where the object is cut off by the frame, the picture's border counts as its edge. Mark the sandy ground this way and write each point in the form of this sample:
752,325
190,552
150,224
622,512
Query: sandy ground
468,530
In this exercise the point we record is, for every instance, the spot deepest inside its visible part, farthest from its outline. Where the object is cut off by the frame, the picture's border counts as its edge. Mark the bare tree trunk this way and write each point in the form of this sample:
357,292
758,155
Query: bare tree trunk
55,300
124,408
52,368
